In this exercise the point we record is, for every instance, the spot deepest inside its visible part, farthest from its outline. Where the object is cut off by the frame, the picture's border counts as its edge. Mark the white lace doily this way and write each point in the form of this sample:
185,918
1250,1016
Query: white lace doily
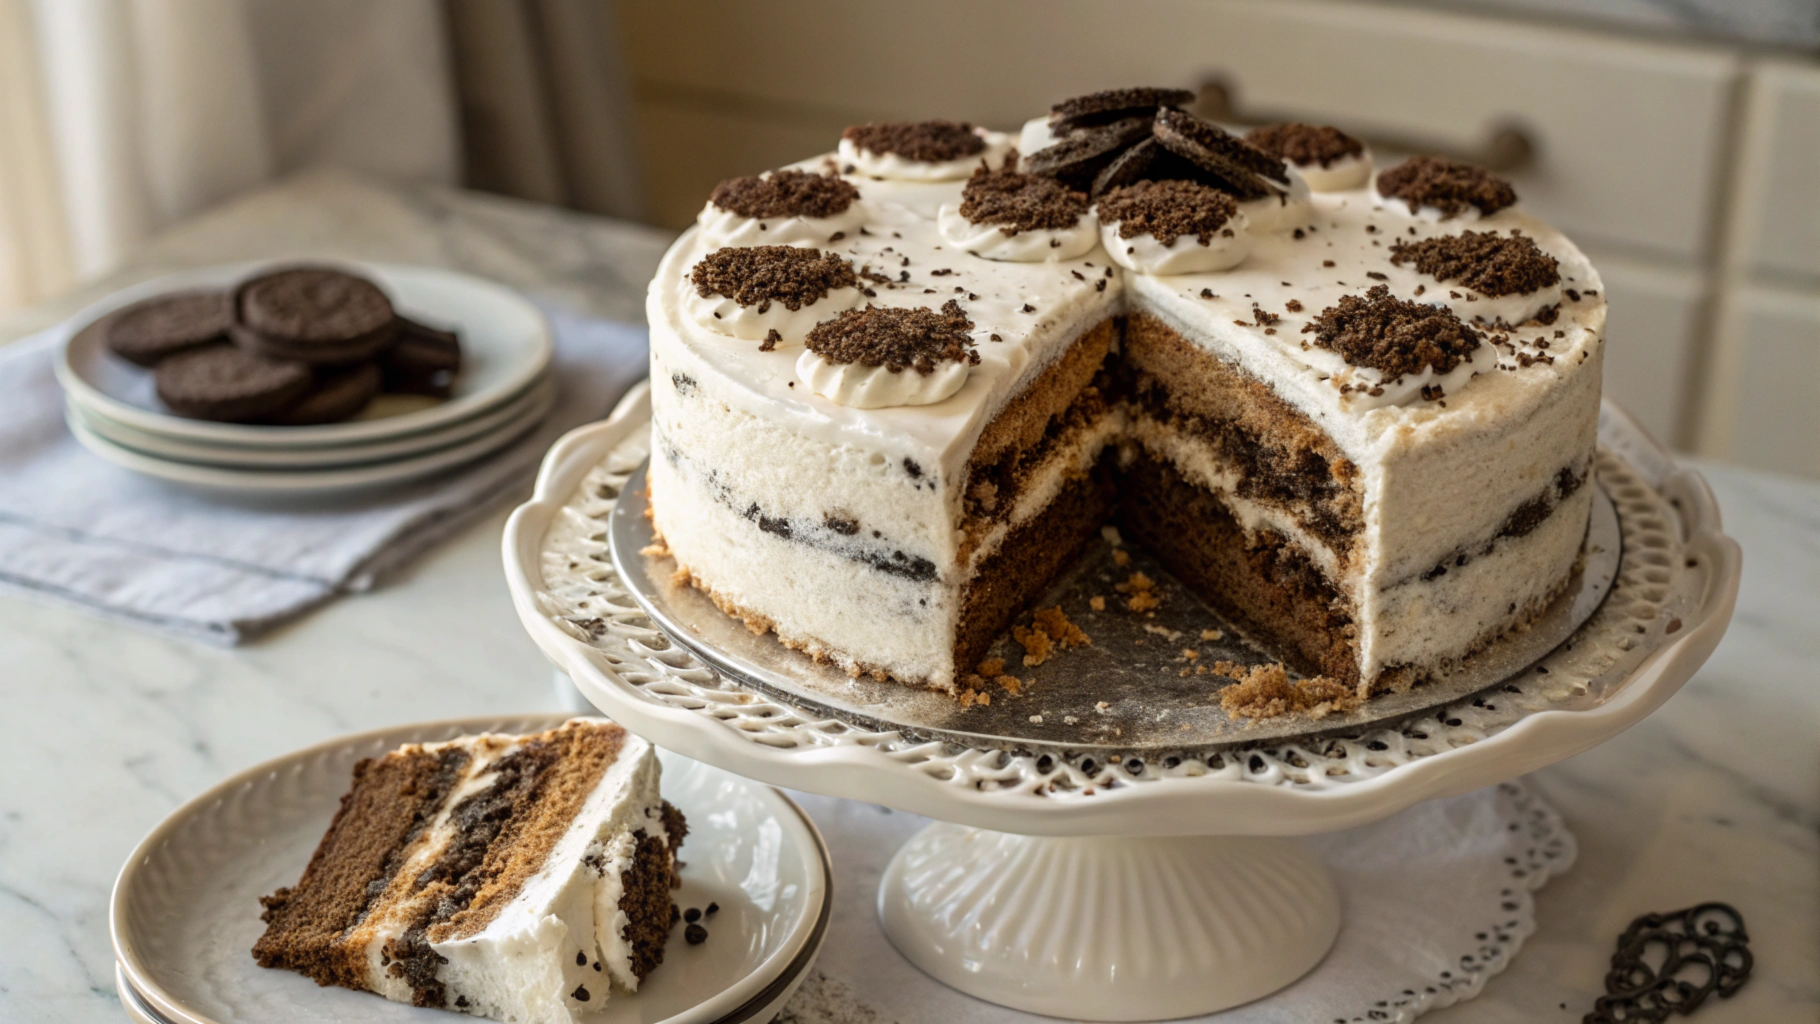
1437,899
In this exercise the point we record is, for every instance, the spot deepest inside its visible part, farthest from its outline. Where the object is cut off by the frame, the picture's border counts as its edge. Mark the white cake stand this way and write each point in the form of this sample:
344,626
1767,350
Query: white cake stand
1079,880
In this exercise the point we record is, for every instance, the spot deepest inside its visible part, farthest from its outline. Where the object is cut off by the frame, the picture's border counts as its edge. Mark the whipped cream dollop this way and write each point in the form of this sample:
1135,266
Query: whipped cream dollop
1286,208
1487,276
1173,227
1432,188
792,206
877,387
771,294
1343,174
1035,136
724,227
1032,245
756,322
1427,214
888,356
895,166
1187,254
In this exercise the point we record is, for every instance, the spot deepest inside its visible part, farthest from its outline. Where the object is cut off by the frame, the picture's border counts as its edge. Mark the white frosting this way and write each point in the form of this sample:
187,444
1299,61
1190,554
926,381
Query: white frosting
723,315
721,228
995,243
901,168
1186,255
877,387
1341,175
1288,208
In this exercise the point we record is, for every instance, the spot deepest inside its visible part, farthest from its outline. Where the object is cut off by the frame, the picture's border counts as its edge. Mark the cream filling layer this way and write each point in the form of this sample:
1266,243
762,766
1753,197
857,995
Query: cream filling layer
1069,462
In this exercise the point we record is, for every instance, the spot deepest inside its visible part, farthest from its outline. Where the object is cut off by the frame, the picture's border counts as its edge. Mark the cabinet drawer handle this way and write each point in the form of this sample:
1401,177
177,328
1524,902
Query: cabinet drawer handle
1507,146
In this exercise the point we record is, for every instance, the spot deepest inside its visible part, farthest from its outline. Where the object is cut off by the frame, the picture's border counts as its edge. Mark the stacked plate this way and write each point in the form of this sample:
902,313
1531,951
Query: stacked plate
502,391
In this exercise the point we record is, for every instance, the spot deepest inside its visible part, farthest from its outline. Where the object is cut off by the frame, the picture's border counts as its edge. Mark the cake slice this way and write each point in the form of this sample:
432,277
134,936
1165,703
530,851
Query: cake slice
512,877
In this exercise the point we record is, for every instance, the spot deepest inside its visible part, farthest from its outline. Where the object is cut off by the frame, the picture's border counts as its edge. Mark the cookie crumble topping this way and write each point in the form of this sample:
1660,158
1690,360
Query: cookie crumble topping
760,275
925,141
1015,202
897,338
785,194
1485,261
1167,210
1449,186
1393,336
1304,144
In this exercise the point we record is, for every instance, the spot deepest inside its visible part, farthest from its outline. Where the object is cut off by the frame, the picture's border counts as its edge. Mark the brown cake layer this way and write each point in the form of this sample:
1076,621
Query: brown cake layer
1264,583
392,799
1031,556
1283,459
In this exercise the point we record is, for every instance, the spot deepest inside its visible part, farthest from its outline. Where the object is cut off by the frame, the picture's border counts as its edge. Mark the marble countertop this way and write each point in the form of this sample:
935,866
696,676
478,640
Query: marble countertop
1715,797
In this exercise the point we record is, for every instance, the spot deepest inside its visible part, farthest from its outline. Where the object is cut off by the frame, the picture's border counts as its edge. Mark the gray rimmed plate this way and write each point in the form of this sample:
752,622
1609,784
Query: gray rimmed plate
1129,692
185,908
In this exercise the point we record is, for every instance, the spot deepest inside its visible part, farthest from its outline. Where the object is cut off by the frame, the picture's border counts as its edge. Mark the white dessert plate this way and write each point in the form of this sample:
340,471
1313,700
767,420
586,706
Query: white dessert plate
325,481
505,345
541,395
185,909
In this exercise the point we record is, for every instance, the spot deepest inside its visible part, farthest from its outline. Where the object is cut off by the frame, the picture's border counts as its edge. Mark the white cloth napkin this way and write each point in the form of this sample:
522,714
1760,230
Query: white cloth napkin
1436,900
77,528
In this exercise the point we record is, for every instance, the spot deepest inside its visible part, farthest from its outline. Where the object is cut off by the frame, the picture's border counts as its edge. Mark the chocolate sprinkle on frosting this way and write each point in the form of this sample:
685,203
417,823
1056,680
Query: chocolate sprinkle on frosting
896,338
1485,261
785,194
1167,210
1304,144
1447,185
763,274
1020,202
1393,336
928,141
1113,105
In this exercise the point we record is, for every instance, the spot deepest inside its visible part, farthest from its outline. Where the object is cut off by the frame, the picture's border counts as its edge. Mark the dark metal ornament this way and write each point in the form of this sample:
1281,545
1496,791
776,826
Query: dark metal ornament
1670,963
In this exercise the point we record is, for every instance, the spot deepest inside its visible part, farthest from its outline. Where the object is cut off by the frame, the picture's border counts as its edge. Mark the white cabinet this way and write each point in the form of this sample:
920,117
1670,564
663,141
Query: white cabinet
1776,223
1765,399
1652,338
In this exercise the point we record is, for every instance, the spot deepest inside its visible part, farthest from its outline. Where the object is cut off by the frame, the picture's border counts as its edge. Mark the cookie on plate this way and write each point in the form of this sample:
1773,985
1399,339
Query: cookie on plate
315,315
226,383
147,331
423,362
339,393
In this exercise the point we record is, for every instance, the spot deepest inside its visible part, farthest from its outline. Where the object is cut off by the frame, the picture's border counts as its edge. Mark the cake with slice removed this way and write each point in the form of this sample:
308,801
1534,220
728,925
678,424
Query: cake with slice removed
520,878
1355,412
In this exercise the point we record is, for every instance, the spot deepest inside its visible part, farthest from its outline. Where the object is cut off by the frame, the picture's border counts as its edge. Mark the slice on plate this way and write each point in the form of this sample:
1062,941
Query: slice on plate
514,877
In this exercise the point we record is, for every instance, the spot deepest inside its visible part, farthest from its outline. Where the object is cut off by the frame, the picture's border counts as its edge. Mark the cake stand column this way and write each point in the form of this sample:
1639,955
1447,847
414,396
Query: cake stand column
1108,928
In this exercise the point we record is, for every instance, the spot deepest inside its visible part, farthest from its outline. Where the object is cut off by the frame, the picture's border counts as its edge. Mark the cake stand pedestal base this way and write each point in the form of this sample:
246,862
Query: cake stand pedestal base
1108,928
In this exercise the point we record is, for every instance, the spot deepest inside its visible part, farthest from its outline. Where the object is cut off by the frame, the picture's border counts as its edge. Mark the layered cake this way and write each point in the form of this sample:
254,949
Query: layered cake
896,389
520,878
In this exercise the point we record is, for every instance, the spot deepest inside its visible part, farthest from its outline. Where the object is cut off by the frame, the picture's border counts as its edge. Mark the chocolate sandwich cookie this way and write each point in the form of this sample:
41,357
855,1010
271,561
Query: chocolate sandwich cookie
226,383
424,362
1079,158
313,314
146,332
1228,162
338,394
1113,105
